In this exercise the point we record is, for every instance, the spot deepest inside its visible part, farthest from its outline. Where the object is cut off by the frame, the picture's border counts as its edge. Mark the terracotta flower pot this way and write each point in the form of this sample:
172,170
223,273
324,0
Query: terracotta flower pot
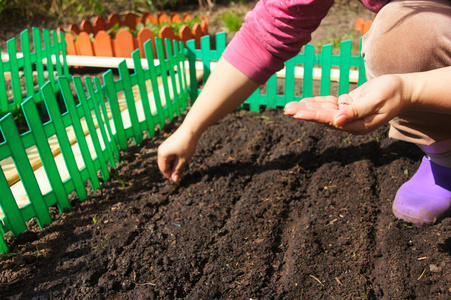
98,38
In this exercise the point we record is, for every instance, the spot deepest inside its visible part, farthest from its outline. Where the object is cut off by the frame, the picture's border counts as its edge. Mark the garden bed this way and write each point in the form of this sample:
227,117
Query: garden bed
270,208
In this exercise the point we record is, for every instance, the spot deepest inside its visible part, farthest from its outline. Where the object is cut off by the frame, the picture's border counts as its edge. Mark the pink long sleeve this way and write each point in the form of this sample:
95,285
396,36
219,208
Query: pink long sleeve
274,31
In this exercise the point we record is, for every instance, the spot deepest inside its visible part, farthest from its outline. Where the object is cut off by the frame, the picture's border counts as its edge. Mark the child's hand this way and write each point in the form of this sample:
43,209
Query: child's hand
174,154
361,111
226,88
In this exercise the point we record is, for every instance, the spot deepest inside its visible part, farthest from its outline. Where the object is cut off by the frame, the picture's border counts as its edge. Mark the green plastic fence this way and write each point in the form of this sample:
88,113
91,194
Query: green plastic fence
34,67
95,111
87,113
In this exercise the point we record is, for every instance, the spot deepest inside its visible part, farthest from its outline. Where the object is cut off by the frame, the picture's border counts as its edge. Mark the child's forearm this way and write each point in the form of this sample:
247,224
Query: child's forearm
224,91
428,91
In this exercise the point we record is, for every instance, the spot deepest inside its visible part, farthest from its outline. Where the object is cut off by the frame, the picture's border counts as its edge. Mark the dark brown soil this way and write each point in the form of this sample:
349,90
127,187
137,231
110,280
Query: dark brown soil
271,208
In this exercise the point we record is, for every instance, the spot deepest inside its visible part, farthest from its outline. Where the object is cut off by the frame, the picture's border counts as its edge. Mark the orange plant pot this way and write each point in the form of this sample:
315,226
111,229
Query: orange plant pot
92,39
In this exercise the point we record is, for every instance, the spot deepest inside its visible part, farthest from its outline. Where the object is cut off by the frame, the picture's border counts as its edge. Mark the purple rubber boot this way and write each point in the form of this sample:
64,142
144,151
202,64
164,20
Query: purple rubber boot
426,197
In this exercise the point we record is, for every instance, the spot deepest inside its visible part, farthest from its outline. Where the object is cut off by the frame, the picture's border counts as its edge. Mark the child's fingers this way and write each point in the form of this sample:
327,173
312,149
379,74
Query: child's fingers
350,111
165,164
321,99
178,169
361,126
292,108
354,121
327,102
316,115
318,109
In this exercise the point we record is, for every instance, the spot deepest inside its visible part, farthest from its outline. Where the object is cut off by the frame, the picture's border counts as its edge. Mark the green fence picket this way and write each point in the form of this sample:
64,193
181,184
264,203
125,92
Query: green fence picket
3,91
29,83
39,58
112,142
326,67
154,84
345,65
63,140
3,245
289,83
130,101
14,71
183,72
170,63
55,51
206,57
63,53
271,92
309,61
48,56
13,218
99,162
24,169
253,101
361,66
58,193
191,57
111,92
107,154
169,112
143,93
104,155
220,43
182,96
80,136
362,75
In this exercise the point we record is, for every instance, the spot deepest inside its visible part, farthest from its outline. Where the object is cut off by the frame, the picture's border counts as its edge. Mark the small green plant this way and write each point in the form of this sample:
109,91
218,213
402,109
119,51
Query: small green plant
190,23
422,273
264,118
116,28
94,219
118,179
377,138
406,172
105,241
305,261
233,21
102,244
